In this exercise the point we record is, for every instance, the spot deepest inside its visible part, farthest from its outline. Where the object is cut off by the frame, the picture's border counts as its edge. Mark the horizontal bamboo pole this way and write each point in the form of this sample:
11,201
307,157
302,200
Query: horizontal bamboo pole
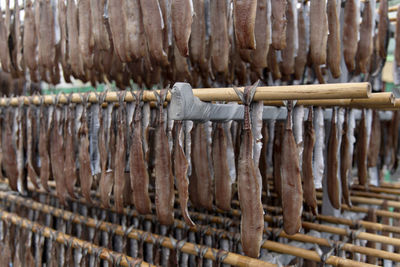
392,8
189,248
393,185
376,100
377,189
205,230
62,238
289,92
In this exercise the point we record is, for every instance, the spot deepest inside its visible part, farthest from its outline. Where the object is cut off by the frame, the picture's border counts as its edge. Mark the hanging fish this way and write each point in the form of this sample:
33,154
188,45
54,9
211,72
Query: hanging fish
182,18
4,33
85,38
278,20
263,165
289,52
85,174
29,38
374,140
276,160
292,192
219,36
332,165
57,154
333,49
153,26
135,35
318,32
164,182
139,177
22,184
345,160
69,148
222,179
249,187
362,151
244,14
365,45
383,29
44,137
198,38
180,169
73,38
309,192
30,131
350,32
46,35
302,51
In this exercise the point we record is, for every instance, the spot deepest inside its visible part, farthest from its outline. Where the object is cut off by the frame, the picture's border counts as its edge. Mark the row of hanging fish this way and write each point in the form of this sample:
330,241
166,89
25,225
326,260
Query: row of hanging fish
127,151
206,43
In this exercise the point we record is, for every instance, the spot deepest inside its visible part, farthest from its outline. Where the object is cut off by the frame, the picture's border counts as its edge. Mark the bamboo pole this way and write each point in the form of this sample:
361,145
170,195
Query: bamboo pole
207,230
62,238
189,248
289,92
376,189
376,100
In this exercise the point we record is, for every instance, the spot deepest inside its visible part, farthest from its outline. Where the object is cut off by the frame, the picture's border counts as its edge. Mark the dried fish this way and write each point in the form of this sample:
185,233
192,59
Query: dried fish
288,53
46,35
333,50
278,20
30,131
120,158
219,36
302,52
180,169
85,175
73,38
70,155
309,192
198,37
383,29
350,33
365,45
99,31
362,151
163,168
201,169
263,165
277,152
153,26
292,192
135,35
345,160
44,137
374,140
139,177
249,186
318,31
4,33
319,164
273,64
332,164
182,18
222,179
262,33
244,14
29,38
85,37
19,65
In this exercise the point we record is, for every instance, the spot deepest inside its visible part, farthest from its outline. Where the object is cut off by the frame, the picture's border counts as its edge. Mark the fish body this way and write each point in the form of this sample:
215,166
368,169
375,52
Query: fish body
278,20
85,174
85,38
69,159
332,165
288,53
182,18
383,27
333,50
120,161
309,192
374,140
365,45
362,151
44,150
29,38
244,15
219,36
262,34
318,32
345,160
350,33
302,51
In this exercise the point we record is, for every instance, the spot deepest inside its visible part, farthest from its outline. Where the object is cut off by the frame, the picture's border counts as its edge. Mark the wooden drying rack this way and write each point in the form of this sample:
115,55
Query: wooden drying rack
341,94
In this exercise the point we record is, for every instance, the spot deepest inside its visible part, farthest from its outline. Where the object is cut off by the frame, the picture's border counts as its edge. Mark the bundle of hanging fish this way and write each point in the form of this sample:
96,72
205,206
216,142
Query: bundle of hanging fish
206,43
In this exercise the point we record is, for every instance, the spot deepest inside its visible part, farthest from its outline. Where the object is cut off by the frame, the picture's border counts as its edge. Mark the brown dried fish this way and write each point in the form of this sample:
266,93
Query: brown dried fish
278,20
263,34
219,36
362,151
164,182
118,28
309,192
201,167
181,166
120,158
198,43
135,35
222,179
276,158
273,64
332,167
85,173
182,18
249,188
288,53
99,31
374,140
333,50
139,177
73,38
350,34
30,38
153,26
44,149
85,37
46,35
19,65
31,170
365,45
383,29
244,14
22,184
4,52
318,32
57,155
302,51
345,161
292,192
263,164
70,156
